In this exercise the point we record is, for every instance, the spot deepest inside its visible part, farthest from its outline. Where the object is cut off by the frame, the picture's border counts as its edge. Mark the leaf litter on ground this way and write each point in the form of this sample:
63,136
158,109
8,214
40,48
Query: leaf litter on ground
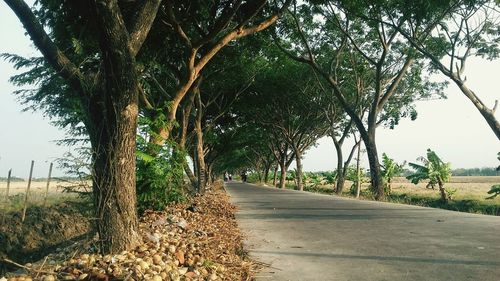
197,240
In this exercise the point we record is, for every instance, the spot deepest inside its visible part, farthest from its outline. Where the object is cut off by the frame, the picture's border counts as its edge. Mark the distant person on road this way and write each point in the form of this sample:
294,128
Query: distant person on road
244,176
226,176
230,177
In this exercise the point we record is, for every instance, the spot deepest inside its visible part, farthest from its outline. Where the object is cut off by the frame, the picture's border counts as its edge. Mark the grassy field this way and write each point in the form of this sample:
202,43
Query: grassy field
469,194
467,188
56,194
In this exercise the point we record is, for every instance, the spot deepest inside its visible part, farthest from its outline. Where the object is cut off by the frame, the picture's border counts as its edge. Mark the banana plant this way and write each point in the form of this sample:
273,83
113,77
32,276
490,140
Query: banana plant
434,170
390,169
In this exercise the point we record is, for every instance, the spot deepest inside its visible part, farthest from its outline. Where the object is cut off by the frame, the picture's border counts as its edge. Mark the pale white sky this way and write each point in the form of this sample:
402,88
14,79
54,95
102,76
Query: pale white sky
452,127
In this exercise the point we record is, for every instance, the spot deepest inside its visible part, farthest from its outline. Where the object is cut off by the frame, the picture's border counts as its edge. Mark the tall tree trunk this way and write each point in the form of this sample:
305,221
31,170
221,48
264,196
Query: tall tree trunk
377,183
340,167
358,171
298,160
266,172
209,174
283,172
113,140
111,111
199,146
275,176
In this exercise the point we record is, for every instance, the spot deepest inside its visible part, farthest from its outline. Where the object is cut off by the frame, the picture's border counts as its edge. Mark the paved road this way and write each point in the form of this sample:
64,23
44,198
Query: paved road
305,236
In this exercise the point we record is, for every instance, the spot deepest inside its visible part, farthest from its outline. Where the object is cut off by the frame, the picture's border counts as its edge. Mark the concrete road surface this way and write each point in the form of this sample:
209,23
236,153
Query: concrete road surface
305,236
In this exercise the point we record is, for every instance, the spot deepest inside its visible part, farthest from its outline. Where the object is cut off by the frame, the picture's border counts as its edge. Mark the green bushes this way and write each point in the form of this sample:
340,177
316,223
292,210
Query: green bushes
160,179
466,205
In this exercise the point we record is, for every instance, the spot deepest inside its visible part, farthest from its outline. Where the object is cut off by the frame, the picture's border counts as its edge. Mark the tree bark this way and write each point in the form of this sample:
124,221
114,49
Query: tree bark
275,176
340,166
298,160
200,155
283,172
113,136
110,105
358,171
266,172
377,183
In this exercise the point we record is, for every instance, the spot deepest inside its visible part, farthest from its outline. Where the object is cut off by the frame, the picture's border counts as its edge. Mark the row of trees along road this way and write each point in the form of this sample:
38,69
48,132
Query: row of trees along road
185,78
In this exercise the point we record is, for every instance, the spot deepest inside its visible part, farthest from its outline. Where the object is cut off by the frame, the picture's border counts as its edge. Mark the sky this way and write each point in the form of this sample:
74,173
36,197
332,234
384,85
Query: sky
452,127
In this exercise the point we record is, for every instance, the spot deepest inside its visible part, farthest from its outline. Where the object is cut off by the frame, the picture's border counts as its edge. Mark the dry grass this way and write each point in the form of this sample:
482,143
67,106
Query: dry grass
17,190
467,188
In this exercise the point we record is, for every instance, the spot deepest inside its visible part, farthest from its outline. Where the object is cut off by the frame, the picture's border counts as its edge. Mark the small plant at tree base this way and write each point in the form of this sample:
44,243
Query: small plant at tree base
390,169
352,175
434,170
160,179
330,178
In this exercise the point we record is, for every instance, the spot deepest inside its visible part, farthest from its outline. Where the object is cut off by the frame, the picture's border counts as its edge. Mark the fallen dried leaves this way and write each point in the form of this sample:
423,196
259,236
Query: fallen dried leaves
199,240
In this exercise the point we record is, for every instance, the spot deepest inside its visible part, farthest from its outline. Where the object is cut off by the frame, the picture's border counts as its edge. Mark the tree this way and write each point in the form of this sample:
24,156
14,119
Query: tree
285,99
198,32
434,170
107,100
456,32
365,64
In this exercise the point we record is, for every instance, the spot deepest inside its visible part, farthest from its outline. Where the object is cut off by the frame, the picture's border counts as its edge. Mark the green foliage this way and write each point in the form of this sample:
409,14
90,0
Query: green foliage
390,169
330,177
434,169
312,180
159,179
77,165
485,171
470,206
494,191
291,175
352,175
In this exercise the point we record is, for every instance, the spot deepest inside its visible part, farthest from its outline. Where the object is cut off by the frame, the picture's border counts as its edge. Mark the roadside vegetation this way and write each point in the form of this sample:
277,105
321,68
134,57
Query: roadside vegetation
142,87
467,193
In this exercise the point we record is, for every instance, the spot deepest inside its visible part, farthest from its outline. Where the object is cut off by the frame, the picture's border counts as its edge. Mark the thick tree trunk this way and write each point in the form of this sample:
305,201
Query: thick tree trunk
377,183
114,188
266,173
283,173
113,138
340,167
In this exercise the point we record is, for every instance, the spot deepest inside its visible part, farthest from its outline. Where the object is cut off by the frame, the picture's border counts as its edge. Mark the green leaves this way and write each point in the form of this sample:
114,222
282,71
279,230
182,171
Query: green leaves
434,169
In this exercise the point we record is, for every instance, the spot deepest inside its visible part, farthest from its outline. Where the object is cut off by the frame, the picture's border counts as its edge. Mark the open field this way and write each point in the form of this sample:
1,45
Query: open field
467,188
469,193
17,190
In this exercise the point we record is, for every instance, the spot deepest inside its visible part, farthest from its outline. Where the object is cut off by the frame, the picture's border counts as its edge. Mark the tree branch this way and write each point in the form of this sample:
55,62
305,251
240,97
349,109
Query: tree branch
56,58
141,23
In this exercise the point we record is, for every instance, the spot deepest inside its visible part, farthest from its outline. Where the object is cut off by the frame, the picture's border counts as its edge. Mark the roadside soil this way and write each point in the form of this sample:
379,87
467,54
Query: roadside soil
197,240
44,230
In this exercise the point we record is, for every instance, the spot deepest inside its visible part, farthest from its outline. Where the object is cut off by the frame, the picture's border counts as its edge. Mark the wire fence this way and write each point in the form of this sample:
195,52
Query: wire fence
16,194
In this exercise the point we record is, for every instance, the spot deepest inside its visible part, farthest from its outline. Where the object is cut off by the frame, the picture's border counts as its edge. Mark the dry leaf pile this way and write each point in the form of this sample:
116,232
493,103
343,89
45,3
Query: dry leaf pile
198,240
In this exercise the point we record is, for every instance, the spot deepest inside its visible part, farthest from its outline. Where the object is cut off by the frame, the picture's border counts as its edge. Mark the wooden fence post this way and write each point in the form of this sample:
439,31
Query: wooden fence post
48,183
27,192
8,185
